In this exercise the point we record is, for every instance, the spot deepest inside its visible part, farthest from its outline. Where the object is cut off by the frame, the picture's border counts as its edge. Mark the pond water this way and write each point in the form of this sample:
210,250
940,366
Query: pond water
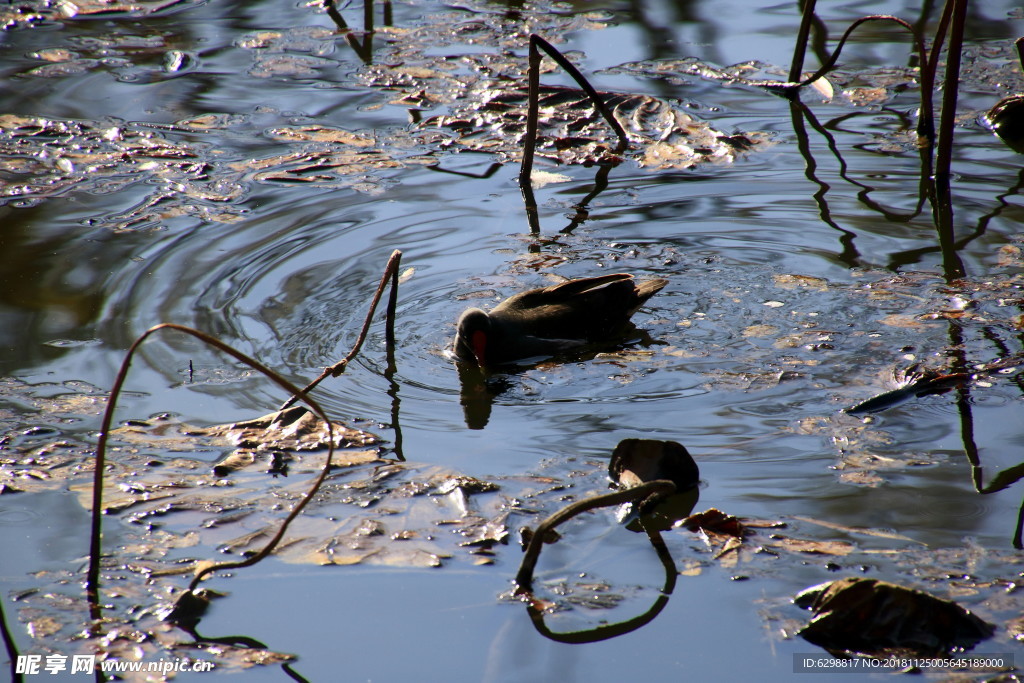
798,280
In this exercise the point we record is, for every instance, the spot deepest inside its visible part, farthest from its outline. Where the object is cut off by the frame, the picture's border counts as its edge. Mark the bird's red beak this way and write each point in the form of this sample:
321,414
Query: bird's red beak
479,344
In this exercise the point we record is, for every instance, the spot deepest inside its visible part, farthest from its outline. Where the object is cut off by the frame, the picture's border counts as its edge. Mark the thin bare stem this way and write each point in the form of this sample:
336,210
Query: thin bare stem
365,48
10,646
96,536
533,113
928,64
926,124
530,141
389,317
390,272
940,39
335,15
943,207
643,492
368,16
950,89
587,88
606,631
806,19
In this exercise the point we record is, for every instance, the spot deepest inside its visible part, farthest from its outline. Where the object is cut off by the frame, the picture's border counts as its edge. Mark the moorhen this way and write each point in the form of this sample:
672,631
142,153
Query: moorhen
550,320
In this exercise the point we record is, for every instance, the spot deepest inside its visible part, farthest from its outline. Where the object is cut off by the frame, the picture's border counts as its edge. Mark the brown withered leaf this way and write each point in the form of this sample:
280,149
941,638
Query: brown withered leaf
312,133
902,320
247,657
716,526
635,461
405,525
74,8
484,533
877,533
104,158
156,488
21,16
293,429
794,281
734,539
799,545
877,618
234,461
866,96
723,533
43,627
257,441
867,478
1015,629
572,131
464,484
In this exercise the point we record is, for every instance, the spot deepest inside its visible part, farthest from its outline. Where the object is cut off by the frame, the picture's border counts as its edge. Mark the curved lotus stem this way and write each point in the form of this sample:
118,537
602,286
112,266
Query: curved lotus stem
645,491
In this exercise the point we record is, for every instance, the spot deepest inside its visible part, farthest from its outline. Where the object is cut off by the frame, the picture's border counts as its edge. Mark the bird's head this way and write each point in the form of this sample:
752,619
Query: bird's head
471,339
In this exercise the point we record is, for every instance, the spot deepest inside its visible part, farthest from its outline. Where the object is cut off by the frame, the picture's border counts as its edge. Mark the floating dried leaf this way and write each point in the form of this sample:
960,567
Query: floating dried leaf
235,460
799,545
904,321
293,429
43,627
877,618
492,118
465,484
760,331
792,281
541,179
861,478
74,8
1015,628
635,461
321,134
716,526
823,87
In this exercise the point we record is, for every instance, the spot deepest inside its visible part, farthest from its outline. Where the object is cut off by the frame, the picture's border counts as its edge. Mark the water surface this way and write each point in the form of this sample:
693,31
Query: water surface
744,363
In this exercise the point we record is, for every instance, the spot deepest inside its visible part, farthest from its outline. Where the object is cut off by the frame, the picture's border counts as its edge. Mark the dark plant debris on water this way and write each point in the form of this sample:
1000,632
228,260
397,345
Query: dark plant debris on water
875,618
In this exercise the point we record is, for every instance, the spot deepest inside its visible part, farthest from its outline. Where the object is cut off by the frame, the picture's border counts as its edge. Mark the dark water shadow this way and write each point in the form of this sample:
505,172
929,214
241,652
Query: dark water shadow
480,387
9,645
658,485
242,641
363,48
1003,479
606,631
